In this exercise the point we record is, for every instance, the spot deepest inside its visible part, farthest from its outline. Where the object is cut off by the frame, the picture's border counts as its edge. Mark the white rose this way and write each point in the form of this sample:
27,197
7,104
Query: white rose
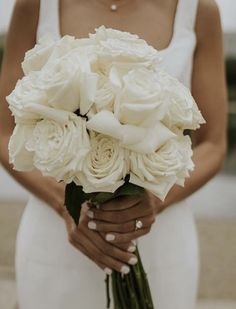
159,171
185,150
59,148
60,81
115,45
124,49
140,97
105,167
62,47
102,33
66,85
36,58
25,94
182,112
19,156
29,103
105,94
142,139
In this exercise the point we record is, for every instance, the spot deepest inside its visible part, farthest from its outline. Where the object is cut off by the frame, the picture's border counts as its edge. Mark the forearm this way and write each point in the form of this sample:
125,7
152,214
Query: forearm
45,188
208,159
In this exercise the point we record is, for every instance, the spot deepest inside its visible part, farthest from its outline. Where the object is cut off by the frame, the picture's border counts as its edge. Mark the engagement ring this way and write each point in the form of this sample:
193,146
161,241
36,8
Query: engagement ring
138,225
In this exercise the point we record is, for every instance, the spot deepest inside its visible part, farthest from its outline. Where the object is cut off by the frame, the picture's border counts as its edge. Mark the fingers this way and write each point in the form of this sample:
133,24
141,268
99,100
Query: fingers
109,249
120,203
126,227
122,216
118,238
106,269
100,251
127,247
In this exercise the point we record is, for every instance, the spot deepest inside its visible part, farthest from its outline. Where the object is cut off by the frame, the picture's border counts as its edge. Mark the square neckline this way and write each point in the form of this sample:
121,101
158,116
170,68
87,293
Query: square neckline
169,45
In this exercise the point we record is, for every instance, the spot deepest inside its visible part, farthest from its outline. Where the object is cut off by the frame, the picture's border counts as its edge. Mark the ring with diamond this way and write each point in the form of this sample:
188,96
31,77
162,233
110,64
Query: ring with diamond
138,225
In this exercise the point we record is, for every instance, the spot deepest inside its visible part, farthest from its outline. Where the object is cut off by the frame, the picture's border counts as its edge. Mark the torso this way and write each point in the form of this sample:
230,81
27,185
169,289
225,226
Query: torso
151,19
169,26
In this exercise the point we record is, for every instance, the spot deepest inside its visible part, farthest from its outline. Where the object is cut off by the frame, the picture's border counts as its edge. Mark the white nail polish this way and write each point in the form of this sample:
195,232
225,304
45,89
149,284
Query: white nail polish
110,237
125,270
90,214
132,249
133,261
108,271
92,225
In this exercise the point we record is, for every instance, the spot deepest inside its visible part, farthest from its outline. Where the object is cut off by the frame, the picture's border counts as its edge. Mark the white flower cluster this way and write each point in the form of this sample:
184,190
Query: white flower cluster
97,109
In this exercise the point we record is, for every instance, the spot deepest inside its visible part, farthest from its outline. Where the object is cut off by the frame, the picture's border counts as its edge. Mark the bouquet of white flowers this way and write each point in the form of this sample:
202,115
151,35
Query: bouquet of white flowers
99,114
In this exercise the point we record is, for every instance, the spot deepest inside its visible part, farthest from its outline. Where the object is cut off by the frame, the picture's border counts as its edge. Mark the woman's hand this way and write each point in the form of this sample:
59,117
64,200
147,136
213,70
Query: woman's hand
124,219
107,256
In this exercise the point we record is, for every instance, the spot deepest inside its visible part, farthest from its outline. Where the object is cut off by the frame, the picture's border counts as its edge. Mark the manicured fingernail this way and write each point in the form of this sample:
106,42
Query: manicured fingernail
133,261
90,214
108,271
92,225
131,249
125,270
110,237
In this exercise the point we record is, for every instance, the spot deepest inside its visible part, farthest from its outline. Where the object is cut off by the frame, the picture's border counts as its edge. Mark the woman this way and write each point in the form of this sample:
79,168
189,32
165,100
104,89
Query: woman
51,273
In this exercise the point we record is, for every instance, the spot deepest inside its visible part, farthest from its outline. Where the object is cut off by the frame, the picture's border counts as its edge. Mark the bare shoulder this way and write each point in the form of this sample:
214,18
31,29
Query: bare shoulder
26,5
24,22
26,8
26,12
208,23
21,36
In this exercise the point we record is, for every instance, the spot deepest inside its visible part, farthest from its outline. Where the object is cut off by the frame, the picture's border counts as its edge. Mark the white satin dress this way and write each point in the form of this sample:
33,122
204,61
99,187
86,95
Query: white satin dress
51,274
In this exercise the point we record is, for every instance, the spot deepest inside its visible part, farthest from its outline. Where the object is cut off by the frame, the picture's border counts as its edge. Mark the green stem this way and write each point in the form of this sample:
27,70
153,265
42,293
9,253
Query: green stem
107,280
148,297
121,291
125,291
132,294
137,278
114,291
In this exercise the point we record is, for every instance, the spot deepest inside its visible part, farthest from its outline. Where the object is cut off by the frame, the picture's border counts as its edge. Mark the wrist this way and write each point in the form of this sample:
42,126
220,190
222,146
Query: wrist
56,196
159,206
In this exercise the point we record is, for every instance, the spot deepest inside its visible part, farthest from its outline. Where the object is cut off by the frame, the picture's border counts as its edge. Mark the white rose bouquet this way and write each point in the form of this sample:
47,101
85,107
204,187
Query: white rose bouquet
99,114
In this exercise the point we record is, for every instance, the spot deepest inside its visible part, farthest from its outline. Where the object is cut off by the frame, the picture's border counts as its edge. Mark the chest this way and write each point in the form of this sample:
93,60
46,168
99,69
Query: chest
148,19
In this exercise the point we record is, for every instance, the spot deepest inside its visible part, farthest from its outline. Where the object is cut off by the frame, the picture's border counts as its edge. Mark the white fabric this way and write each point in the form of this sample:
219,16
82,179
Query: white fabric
51,274
49,19
178,56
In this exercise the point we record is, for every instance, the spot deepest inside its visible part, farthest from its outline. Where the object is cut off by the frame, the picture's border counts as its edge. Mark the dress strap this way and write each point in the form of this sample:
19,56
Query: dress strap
49,21
186,15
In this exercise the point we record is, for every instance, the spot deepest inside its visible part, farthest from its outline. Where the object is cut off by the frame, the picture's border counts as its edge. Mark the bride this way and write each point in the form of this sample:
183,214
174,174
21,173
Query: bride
60,265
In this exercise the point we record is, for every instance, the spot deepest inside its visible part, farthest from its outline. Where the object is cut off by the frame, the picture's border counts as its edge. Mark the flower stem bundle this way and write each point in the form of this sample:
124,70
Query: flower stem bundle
131,290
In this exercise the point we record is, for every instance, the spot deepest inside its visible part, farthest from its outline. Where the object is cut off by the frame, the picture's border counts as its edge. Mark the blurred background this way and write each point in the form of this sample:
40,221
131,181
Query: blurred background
214,206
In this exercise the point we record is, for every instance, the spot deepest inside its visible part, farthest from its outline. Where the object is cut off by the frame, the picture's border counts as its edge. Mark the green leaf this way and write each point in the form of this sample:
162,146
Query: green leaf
103,197
128,189
74,198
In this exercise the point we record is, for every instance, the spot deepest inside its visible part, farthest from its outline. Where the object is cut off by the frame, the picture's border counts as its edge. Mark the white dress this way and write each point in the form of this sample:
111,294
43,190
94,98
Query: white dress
51,274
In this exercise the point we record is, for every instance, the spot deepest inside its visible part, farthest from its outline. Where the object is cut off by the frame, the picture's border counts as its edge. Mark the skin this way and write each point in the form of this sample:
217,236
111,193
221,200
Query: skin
117,218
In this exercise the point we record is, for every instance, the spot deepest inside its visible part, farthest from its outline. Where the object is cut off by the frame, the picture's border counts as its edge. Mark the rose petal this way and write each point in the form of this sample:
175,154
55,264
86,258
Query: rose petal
21,159
160,189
